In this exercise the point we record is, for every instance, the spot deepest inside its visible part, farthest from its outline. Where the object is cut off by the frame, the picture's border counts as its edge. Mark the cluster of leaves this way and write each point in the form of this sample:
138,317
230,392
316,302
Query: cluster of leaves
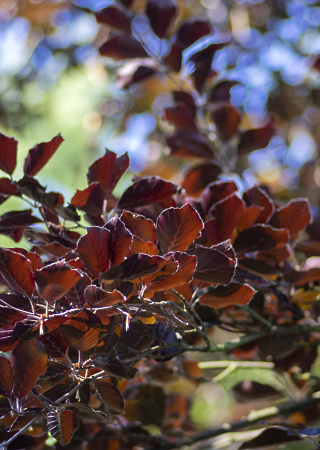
96,321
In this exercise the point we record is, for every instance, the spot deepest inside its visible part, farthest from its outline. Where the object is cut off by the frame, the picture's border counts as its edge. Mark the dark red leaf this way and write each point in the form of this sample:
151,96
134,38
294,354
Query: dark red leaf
233,294
227,213
174,58
227,120
210,234
33,189
186,265
220,93
49,215
110,395
55,280
62,424
140,246
29,362
16,270
40,154
8,187
139,226
6,377
187,143
15,219
260,237
192,30
259,267
80,340
217,192
119,240
177,228
90,199
127,3
255,139
93,249
161,15
187,100
249,216
256,196
8,154
114,17
146,191
294,216
122,47
98,297
198,178
202,60
141,265
216,264
180,116
107,171
76,293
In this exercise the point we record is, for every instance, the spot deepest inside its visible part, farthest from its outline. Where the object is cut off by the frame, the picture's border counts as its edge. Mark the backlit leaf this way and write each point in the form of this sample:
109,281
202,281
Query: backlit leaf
29,362
272,436
110,395
177,228
294,216
108,170
180,116
8,154
202,61
227,213
40,154
98,297
146,191
55,280
90,199
93,249
119,240
62,424
216,192
139,226
256,196
232,294
16,270
199,177
161,15
220,93
114,366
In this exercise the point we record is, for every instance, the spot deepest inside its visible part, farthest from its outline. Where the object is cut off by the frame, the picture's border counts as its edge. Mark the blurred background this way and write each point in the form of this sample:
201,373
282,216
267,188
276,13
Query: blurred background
53,80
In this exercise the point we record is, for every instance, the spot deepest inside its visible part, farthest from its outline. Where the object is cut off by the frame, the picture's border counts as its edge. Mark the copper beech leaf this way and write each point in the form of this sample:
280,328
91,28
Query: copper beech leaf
227,120
177,228
161,15
108,170
139,226
111,395
185,267
199,177
294,216
232,294
16,270
114,17
8,154
6,376
55,280
187,143
40,154
146,191
255,139
140,265
93,249
119,240
98,297
62,424
216,264
256,196
122,47
260,237
29,362
89,199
